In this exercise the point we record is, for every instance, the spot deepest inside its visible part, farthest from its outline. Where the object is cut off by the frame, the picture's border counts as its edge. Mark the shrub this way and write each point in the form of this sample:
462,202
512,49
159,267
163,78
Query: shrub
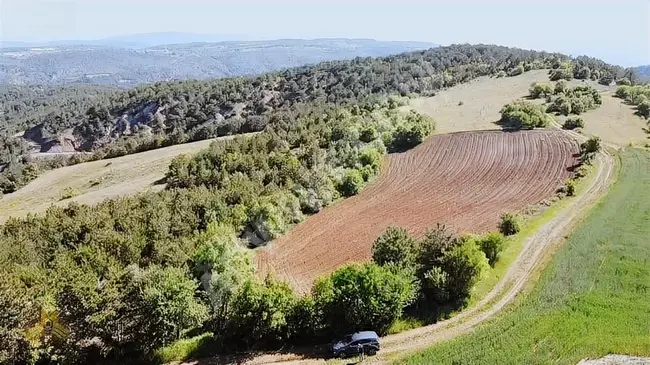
623,81
492,245
395,246
523,115
68,193
592,145
570,188
510,224
371,157
564,73
623,91
464,266
363,297
259,315
573,123
560,87
187,348
368,134
643,109
352,183
576,100
540,90
411,133
516,71
583,73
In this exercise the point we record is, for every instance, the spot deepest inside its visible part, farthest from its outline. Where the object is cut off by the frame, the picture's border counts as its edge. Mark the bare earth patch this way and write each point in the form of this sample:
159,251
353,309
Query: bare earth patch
464,180
95,181
617,360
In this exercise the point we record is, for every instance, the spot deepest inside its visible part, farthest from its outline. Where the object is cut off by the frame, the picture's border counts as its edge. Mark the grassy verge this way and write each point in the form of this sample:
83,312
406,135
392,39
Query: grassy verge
514,246
515,243
593,299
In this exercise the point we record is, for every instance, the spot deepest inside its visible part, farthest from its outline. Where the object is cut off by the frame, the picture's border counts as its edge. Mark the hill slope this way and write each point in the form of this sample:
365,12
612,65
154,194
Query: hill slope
110,65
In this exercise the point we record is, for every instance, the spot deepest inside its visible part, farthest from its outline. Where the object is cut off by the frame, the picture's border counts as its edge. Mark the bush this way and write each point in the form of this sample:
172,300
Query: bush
371,157
516,71
368,134
623,91
352,183
623,81
510,224
564,73
592,145
560,87
540,90
492,245
363,297
69,193
570,188
643,109
464,266
187,348
573,123
411,133
523,115
576,100
395,246
259,315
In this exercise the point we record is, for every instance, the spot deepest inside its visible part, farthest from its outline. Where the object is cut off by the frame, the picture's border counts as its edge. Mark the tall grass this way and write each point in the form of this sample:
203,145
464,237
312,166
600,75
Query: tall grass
593,298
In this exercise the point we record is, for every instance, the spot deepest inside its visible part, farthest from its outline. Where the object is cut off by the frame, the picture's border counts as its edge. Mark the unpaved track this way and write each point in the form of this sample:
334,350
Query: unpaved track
543,241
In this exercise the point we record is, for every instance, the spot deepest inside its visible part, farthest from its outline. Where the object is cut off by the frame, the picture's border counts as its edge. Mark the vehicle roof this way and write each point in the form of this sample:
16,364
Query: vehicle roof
365,335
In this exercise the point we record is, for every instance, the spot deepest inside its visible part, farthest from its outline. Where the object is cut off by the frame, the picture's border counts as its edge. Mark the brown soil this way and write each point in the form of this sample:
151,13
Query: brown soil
464,180
537,249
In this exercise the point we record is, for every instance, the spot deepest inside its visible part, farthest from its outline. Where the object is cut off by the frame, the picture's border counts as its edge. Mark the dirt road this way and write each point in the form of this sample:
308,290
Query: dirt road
518,275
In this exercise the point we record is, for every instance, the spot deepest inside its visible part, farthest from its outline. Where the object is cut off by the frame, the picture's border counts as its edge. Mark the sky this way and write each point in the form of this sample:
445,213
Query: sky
615,31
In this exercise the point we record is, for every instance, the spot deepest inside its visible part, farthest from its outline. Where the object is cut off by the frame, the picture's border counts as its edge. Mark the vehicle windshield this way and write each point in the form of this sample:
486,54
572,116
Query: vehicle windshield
347,339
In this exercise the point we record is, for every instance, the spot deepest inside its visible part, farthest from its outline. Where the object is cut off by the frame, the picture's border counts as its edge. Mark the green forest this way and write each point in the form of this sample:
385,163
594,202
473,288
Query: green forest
131,278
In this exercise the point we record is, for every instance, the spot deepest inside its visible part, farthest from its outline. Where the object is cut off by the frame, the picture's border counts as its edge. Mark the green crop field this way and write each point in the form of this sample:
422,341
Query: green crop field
592,299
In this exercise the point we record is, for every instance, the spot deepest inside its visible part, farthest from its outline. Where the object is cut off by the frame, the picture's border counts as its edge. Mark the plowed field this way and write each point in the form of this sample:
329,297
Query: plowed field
464,180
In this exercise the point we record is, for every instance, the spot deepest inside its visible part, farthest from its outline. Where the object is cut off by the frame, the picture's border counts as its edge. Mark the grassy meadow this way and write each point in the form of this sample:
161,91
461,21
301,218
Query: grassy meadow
591,300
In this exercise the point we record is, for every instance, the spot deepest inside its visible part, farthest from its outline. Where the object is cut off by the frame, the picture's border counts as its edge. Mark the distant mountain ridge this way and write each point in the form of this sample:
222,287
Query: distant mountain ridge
141,40
127,66
643,72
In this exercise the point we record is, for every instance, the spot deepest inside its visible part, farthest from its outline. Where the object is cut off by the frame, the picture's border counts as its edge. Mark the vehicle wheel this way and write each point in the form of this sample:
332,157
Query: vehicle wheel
372,352
343,355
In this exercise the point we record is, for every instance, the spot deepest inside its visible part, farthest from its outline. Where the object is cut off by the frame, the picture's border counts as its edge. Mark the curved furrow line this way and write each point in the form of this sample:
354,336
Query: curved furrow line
463,180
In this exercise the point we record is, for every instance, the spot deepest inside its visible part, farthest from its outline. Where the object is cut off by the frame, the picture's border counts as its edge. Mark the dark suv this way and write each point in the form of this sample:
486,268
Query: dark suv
350,345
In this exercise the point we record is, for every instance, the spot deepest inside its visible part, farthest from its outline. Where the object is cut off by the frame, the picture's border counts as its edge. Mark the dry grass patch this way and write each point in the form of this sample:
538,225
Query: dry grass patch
95,181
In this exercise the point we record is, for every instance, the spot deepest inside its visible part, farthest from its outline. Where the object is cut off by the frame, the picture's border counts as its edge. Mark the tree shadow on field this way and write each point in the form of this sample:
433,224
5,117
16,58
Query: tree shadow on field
508,125
161,181
205,355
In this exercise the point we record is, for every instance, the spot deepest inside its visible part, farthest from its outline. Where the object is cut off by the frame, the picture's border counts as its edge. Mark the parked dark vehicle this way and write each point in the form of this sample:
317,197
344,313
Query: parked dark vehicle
354,344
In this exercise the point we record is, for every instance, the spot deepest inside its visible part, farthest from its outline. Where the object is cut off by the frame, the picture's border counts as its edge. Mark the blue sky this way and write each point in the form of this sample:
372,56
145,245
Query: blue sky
616,31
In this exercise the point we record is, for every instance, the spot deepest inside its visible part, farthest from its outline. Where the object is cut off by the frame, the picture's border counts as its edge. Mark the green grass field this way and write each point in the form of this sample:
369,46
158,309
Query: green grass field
591,300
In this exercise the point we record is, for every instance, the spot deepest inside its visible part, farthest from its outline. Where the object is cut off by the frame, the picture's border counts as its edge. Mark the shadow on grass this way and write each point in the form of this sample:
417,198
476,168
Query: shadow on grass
509,125
161,181
208,350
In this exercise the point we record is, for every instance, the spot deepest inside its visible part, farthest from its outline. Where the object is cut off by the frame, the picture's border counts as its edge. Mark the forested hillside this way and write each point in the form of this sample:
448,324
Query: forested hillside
132,275
123,122
122,66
